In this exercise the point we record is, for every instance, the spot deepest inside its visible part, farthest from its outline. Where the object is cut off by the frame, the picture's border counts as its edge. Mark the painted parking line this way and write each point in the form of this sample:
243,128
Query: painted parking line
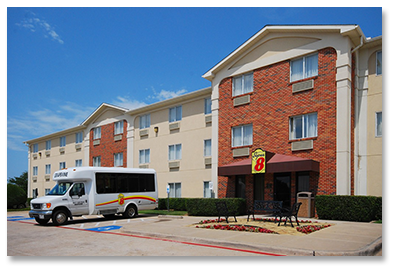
104,228
18,218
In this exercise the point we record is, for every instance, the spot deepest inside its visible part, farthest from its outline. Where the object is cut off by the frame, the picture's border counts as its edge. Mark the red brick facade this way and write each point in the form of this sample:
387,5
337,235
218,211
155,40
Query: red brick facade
272,103
108,146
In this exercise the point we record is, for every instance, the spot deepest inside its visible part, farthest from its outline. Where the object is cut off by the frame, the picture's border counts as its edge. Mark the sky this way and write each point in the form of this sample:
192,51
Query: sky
62,63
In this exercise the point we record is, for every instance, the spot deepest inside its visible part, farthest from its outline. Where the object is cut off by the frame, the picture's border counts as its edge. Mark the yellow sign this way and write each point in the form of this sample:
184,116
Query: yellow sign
258,161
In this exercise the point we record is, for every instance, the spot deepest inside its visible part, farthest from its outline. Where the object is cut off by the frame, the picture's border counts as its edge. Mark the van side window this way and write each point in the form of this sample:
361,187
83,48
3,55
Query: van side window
79,188
108,183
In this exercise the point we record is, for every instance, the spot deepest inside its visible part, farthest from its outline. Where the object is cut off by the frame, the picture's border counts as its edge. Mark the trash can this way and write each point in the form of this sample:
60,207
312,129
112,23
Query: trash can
307,209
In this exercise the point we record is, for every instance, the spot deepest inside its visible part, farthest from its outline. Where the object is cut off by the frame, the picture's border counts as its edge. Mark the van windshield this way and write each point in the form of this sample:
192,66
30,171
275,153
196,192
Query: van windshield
60,189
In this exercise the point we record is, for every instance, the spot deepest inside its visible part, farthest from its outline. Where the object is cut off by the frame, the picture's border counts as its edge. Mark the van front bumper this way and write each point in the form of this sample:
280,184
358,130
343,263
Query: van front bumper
43,215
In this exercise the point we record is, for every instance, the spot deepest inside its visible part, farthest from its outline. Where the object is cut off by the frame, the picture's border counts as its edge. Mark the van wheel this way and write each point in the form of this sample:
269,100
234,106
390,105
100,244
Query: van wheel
60,217
130,212
41,221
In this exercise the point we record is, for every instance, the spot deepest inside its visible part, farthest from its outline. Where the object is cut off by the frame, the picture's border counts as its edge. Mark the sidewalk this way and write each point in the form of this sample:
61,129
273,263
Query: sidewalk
341,239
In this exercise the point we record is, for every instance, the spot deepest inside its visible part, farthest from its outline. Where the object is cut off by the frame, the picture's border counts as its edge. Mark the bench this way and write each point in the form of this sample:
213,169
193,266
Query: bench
273,207
222,211
288,214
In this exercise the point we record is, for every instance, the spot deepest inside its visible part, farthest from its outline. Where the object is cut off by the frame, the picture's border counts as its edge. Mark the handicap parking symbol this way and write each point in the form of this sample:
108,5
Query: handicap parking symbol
105,228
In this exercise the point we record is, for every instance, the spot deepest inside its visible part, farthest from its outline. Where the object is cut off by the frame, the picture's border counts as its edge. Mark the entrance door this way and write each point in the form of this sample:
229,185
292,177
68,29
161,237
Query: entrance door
241,186
282,188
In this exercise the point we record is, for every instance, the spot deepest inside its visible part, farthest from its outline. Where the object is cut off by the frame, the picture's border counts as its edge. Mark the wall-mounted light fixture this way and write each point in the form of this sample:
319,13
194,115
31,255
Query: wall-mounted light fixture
156,129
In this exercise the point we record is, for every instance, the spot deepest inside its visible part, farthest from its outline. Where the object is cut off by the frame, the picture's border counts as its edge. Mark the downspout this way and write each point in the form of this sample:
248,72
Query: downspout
357,135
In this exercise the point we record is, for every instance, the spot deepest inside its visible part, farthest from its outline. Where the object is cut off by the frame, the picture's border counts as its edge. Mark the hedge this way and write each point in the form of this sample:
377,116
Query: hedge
349,208
203,206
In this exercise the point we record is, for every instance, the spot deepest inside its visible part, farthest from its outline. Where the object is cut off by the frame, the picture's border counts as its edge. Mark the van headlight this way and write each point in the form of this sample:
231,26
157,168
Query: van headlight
46,205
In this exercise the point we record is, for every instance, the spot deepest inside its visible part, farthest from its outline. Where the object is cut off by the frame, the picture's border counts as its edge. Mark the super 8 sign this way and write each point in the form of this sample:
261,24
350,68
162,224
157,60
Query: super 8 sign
258,161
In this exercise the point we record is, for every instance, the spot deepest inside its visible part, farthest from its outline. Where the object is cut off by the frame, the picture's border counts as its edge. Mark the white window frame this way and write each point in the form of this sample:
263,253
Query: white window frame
63,141
207,148
47,169
118,159
175,114
207,193
376,125
304,126
144,121
243,129
78,162
243,89
79,137
174,189
119,127
208,105
144,156
48,145
35,171
176,150
96,161
303,59
96,133
376,63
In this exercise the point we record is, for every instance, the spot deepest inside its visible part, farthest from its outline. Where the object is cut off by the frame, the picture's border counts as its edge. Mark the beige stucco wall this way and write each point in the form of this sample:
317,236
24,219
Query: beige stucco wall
191,135
374,144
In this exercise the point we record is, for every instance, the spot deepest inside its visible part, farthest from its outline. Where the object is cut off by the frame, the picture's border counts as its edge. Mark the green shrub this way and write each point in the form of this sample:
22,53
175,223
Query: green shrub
349,208
202,206
15,195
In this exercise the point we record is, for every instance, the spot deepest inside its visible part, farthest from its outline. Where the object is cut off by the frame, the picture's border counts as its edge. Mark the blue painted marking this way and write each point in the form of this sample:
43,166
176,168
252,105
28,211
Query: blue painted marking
105,228
13,217
18,219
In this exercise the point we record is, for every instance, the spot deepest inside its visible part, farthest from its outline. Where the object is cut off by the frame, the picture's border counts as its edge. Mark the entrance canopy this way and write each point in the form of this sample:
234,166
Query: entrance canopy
277,163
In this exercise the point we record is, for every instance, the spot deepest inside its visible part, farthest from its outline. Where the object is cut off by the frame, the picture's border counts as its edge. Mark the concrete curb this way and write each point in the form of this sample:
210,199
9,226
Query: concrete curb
368,250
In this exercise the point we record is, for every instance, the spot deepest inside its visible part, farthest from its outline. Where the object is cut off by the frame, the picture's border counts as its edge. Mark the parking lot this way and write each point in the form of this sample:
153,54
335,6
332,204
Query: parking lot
97,236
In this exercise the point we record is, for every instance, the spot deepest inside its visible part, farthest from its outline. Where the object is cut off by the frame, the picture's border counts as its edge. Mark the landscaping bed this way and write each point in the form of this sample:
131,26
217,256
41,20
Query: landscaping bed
264,225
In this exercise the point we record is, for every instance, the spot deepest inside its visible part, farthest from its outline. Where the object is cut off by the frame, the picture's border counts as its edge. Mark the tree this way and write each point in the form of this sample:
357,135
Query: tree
20,181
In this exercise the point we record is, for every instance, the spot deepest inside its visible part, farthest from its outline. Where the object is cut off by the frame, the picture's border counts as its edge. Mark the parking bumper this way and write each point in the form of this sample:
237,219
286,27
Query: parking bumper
44,215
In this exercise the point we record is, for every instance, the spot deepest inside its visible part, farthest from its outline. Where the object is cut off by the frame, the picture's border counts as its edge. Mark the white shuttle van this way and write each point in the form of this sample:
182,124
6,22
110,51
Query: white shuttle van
96,191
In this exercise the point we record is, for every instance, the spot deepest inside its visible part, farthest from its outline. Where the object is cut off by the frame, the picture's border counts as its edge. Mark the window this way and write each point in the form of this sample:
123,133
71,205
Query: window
35,171
78,162
63,141
118,159
78,189
144,121
208,106
304,67
97,161
144,156
107,183
378,124
242,84
48,145
79,137
379,63
47,190
175,114
303,126
175,189
62,165
97,133
35,148
174,152
119,127
242,135
207,148
207,193
47,169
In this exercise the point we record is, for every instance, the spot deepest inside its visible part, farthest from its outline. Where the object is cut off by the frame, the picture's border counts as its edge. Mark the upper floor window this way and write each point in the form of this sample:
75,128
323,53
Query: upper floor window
242,84
379,63
174,152
47,169
119,127
208,106
303,126
304,67
378,124
118,159
144,156
35,148
97,133
79,137
144,121
63,141
207,148
35,171
242,135
62,165
175,114
48,145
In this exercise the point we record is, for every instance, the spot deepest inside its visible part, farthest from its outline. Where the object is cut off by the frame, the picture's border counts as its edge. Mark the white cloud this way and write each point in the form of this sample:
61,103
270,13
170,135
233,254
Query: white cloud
166,94
126,102
43,122
35,24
